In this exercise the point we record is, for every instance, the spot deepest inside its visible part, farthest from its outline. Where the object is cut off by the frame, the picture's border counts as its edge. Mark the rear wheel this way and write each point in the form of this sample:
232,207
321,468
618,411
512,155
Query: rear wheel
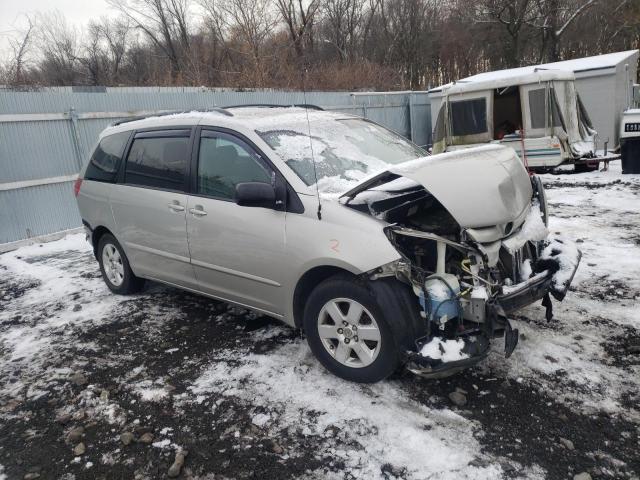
114,265
348,333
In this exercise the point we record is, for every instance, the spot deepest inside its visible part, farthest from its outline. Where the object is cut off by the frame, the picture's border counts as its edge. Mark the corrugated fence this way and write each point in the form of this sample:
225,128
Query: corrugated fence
46,135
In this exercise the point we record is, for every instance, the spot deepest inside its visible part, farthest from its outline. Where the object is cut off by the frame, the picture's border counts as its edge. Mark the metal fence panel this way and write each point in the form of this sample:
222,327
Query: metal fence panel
46,135
38,210
31,150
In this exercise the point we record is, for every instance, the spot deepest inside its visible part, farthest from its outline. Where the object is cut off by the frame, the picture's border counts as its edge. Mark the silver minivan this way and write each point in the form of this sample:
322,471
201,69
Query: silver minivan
384,256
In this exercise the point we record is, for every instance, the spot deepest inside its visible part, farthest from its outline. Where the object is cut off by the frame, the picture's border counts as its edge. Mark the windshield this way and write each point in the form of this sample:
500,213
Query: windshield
344,150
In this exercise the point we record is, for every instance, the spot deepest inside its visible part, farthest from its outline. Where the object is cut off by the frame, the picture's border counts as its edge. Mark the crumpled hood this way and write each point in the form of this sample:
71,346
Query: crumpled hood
480,187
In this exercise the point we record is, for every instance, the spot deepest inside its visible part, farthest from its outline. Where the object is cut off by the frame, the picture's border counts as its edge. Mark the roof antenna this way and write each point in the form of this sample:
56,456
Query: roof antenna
313,159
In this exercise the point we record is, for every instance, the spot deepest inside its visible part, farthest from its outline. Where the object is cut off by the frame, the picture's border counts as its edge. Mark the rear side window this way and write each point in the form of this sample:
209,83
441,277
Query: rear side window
469,117
158,162
105,161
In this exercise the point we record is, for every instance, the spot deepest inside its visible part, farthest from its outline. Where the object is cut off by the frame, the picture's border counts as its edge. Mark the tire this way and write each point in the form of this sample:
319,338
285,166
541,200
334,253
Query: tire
118,274
350,361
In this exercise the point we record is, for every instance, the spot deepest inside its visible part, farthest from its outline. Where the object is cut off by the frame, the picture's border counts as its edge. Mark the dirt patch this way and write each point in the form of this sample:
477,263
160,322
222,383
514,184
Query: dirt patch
522,424
608,289
623,350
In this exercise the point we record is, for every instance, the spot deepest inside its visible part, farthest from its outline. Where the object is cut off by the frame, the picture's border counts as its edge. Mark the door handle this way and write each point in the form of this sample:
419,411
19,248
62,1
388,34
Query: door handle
199,212
176,207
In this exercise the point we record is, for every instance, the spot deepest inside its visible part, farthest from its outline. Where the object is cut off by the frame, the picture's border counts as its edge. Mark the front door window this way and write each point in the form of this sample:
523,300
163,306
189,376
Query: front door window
223,163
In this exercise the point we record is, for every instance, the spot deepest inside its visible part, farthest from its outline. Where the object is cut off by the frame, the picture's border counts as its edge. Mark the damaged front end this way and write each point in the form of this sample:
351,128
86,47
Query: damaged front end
467,279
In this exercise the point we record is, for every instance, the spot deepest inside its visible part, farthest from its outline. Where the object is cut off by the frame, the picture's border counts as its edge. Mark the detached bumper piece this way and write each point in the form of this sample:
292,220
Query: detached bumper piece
475,349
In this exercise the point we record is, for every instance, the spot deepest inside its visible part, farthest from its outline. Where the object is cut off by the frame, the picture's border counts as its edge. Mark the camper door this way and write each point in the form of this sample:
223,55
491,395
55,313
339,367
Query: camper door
470,118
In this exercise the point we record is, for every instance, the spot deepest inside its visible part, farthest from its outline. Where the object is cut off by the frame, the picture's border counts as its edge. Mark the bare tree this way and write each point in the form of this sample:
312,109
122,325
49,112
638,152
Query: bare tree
116,34
252,21
408,33
94,57
299,15
344,21
59,46
513,16
165,22
553,18
20,46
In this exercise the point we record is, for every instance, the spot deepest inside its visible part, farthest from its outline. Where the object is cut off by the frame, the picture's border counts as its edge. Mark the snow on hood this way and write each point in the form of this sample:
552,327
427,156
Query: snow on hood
533,229
480,187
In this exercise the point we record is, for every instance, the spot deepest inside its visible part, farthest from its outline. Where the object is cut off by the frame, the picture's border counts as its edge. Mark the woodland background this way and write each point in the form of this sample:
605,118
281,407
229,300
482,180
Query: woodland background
316,45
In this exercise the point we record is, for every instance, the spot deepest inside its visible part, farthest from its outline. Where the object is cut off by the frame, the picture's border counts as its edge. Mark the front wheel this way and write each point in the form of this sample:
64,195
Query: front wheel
114,265
348,332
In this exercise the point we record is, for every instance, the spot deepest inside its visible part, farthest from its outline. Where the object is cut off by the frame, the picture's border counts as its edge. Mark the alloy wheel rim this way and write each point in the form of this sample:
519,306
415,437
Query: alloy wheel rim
349,333
112,264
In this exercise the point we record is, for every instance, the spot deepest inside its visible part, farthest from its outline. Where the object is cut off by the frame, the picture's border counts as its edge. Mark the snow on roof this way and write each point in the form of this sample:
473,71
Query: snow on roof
595,62
505,78
518,75
266,116
256,117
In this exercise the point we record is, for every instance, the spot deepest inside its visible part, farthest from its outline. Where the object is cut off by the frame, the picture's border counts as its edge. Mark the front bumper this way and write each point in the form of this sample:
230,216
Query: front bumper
525,293
556,267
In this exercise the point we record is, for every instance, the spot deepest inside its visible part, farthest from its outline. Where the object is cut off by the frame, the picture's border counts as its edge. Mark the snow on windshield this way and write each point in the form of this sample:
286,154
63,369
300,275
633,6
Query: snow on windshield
345,150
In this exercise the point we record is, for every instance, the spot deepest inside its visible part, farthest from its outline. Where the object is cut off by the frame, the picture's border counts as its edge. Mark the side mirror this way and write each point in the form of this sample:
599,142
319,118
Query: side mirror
255,194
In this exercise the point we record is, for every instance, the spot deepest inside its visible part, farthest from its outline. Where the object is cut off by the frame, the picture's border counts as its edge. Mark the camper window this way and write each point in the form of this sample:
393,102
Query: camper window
538,109
469,117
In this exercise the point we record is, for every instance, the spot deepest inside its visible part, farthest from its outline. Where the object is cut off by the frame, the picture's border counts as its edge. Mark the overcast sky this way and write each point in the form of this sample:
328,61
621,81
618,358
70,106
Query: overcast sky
76,12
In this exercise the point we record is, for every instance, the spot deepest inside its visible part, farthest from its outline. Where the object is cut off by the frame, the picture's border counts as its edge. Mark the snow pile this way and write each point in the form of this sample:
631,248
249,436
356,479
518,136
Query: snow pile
533,229
526,270
59,271
150,391
445,350
291,391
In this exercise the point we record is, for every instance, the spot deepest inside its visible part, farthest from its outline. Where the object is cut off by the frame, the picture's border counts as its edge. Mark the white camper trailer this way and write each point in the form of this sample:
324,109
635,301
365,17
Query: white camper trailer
537,112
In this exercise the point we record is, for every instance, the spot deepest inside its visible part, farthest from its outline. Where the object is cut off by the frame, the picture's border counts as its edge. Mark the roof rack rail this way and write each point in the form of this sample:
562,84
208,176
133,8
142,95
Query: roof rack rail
171,112
142,117
276,105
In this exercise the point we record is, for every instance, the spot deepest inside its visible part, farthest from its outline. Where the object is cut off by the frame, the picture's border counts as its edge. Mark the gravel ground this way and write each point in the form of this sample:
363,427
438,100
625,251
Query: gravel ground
94,385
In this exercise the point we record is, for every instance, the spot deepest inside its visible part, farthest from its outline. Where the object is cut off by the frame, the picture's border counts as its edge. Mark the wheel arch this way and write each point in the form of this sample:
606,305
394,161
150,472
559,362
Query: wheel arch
307,282
96,235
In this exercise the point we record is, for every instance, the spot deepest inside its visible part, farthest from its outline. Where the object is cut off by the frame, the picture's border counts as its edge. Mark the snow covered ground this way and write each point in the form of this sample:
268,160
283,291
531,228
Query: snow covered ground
137,379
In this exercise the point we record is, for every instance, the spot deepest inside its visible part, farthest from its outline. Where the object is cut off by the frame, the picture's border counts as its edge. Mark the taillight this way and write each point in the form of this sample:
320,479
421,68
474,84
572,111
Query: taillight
77,185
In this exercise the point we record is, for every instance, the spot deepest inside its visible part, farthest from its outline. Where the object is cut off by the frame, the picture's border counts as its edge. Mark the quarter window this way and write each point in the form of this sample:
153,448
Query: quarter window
159,162
469,117
105,161
223,163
